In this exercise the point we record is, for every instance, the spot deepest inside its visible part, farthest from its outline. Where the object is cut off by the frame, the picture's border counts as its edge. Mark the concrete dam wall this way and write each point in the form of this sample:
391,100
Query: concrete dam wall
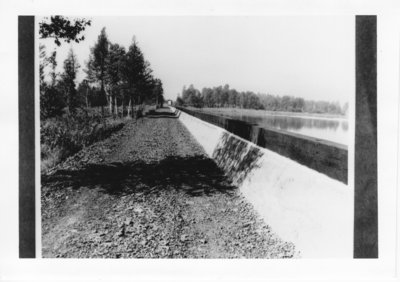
297,185
324,156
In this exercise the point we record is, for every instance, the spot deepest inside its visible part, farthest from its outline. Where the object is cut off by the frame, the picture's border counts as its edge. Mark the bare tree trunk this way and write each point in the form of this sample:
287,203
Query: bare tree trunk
132,106
139,112
110,104
129,107
156,101
116,106
101,99
122,106
109,100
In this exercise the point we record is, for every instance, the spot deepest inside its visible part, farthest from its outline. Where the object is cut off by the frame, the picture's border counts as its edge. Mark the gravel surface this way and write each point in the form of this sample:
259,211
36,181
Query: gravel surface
150,191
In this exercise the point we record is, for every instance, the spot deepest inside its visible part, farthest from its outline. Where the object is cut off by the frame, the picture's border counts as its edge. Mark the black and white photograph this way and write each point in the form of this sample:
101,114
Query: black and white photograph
247,141
195,137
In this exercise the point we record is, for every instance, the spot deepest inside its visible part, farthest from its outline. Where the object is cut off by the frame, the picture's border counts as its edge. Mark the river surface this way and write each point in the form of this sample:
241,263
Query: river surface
331,129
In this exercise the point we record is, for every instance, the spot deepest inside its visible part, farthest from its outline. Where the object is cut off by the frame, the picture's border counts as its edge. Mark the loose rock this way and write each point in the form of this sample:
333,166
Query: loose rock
150,191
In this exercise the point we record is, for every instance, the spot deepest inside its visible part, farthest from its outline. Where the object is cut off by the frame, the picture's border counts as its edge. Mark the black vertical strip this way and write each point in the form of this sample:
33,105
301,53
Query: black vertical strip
366,194
26,103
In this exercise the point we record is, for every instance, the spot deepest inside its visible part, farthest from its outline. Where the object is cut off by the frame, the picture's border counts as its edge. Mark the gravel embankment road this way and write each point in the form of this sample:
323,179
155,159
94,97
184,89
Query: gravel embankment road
150,191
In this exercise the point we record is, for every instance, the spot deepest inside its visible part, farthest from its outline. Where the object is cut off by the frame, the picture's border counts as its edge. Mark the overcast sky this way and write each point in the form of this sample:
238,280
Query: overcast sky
309,56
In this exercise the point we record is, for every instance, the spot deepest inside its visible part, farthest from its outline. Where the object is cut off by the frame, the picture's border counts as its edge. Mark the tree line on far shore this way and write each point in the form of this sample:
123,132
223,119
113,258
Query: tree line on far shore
225,97
115,78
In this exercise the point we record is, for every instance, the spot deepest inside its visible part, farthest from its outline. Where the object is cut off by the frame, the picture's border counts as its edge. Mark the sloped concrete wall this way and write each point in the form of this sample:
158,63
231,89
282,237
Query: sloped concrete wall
301,205
327,157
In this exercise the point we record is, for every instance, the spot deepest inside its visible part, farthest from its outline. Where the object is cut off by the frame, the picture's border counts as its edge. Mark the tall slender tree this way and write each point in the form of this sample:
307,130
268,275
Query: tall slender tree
134,72
96,66
68,77
114,65
53,64
158,92
43,62
51,98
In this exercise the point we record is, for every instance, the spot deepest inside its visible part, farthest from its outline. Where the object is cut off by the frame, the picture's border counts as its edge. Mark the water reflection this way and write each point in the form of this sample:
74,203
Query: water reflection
328,129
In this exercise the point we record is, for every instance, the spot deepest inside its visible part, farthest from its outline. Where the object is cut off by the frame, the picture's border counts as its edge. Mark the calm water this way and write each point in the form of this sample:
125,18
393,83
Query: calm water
332,129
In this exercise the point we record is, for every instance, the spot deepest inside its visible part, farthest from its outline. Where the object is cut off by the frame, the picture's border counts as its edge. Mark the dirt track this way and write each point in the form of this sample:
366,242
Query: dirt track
149,191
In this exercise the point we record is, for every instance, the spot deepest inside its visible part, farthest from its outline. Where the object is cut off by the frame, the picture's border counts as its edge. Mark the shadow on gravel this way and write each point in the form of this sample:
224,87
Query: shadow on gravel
236,157
196,176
